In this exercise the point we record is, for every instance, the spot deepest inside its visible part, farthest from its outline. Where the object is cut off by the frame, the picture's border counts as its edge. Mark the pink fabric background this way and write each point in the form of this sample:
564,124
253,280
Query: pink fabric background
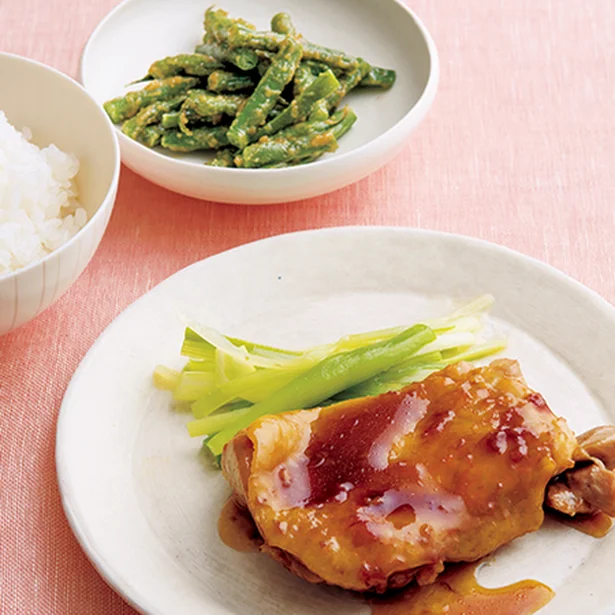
517,150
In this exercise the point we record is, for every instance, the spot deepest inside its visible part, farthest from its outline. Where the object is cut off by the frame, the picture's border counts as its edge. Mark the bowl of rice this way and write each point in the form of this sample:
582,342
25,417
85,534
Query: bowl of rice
59,171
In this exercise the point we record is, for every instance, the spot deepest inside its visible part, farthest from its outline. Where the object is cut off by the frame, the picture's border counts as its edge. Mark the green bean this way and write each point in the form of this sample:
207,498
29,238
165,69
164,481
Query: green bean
207,104
300,108
263,100
225,81
330,57
196,64
320,67
319,112
223,158
150,136
329,377
348,83
125,107
296,143
270,152
244,59
173,120
348,119
306,129
379,78
152,114
218,24
239,36
201,138
170,120
299,144
282,23
304,77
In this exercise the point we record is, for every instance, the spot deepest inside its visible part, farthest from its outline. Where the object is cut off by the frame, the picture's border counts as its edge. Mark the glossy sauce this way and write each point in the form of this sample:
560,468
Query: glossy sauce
237,530
458,593
367,493
597,525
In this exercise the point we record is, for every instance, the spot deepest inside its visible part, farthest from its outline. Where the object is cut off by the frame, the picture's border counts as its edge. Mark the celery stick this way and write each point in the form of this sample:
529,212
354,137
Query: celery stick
390,379
165,378
265,351
220,342
252,387
480,351
228,367
451,340
192,385
214,423
199,350
329,377
199,366
480,305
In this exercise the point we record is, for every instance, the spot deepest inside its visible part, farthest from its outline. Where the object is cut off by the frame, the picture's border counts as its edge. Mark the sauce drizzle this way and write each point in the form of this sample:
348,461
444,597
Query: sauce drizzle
597,525
237,530
457,592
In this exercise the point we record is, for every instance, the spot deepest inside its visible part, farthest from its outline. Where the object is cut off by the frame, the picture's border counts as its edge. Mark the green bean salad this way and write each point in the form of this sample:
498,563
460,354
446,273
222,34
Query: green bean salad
260,99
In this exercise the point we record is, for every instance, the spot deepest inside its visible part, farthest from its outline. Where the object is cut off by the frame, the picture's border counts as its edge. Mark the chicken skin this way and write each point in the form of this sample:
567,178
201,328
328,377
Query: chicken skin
375,493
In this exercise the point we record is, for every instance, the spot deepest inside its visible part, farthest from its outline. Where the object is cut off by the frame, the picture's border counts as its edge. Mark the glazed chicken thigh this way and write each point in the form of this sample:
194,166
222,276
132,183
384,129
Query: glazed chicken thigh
375,493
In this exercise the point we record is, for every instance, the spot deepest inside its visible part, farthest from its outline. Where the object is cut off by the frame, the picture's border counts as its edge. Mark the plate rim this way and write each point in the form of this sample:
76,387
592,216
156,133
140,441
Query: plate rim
78,526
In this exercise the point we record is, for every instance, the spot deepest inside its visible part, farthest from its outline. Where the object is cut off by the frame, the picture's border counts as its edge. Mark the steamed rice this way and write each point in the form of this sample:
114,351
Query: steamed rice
39,210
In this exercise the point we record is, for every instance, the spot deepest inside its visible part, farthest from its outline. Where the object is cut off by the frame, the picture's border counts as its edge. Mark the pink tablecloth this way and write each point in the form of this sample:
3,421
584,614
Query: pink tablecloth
518,149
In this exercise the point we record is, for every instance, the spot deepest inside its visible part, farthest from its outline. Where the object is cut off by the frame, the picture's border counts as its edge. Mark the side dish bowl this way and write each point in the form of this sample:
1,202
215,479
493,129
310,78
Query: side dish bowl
58,110
387,33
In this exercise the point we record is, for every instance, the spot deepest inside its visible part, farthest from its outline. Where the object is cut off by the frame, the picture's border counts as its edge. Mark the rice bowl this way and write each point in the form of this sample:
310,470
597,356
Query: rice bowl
71,163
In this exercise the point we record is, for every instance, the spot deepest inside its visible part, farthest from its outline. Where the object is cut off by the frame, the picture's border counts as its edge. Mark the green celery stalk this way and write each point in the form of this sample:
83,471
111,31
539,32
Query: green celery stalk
215,423
475,353
192,385
329,377
252,387
165,378
199,365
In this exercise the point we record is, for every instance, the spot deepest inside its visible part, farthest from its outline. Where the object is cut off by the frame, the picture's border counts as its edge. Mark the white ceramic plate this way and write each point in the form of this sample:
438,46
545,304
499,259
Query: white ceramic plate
387,33
145,507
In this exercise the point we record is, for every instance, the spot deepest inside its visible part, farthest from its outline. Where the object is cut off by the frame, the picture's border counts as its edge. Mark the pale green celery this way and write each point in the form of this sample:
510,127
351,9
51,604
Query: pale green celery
329,377
480,351
418,368
265,351
194,346
220,342
253,387
416,362
192,386
470,324
165,378
391,379
480,305
228,367
199,350
200,365
214,423
451,340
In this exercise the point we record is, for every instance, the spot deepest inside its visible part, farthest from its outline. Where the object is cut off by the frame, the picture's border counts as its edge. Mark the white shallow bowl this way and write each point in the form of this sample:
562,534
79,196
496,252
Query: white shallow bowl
144,505
386,33
58,110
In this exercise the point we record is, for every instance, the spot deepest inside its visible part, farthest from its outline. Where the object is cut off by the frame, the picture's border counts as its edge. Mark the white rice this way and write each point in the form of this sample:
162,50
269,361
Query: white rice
39,210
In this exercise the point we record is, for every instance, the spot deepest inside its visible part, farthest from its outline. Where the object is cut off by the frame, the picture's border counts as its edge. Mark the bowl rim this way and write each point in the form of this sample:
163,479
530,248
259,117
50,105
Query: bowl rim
113,184
411,119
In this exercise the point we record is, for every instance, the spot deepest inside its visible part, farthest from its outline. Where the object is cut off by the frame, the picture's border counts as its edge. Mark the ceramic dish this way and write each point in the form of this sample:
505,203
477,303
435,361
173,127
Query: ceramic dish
74,122
145,507
386,32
